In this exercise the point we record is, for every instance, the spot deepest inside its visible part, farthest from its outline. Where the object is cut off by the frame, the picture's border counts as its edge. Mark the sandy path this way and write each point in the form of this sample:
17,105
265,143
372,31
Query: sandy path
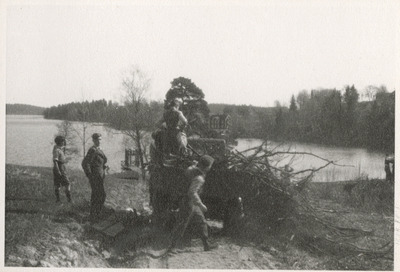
227,256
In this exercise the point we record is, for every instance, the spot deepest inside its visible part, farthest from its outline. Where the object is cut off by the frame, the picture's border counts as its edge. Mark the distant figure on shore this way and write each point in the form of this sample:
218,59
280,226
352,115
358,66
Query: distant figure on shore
94,165
389,170
286,173
175,122
59,170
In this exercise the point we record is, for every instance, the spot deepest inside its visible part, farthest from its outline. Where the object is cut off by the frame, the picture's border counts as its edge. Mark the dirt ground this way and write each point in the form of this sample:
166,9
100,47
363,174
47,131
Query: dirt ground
39,232
229,255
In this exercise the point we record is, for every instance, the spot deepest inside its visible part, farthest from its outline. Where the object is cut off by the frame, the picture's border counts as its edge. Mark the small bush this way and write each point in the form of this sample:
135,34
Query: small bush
367,195
373,195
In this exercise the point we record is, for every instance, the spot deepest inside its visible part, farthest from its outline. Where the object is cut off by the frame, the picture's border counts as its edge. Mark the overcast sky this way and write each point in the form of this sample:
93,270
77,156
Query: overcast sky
249,53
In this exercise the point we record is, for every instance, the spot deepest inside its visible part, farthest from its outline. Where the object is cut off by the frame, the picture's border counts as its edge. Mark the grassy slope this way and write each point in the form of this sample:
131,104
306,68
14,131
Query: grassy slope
368,206
38,229
302,245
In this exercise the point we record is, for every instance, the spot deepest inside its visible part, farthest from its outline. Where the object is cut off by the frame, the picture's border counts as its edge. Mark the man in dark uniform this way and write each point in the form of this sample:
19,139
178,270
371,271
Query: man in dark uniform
94,165
59,171
192,209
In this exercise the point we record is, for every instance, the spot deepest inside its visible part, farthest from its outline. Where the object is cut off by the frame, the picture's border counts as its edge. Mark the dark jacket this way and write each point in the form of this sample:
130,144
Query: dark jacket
171,118
94,162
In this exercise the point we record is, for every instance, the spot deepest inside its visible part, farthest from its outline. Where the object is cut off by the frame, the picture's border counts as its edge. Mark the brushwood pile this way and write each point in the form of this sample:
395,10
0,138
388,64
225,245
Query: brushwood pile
278,199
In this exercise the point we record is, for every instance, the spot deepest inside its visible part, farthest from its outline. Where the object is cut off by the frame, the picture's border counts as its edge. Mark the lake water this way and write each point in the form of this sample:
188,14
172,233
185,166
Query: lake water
30,140
357,161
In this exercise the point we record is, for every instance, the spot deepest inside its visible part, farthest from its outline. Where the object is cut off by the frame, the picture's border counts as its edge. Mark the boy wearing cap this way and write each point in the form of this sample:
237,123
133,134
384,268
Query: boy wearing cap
192,209
94,165
59,171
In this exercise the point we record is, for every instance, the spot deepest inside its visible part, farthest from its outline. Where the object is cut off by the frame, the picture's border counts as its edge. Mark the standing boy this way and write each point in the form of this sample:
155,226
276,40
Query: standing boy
59,170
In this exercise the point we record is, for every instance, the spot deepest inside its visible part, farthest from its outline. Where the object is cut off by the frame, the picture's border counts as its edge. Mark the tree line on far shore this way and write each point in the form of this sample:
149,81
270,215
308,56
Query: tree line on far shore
331,117
324,116
23,109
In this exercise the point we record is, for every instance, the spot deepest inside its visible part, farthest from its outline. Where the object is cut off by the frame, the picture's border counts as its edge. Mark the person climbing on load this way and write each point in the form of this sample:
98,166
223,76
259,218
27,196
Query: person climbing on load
175,140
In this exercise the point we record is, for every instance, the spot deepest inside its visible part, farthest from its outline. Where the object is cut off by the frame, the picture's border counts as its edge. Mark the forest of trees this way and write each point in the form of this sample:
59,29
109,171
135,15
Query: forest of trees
325,116
333,118
94,111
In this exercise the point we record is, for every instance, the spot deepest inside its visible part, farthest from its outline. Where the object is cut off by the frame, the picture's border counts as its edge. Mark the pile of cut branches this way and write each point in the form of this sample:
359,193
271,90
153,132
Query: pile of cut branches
276,195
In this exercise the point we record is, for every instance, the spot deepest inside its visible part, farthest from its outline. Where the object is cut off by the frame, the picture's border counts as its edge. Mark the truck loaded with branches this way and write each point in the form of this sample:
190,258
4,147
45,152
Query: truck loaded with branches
257,184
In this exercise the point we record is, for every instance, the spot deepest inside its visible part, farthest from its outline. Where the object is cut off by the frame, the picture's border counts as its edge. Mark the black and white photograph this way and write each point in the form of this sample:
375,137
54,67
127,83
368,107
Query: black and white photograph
188,134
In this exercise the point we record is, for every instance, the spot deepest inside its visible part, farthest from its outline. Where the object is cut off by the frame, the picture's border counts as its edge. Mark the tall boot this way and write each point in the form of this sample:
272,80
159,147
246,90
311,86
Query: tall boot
203,229
68,194
207,245
57,192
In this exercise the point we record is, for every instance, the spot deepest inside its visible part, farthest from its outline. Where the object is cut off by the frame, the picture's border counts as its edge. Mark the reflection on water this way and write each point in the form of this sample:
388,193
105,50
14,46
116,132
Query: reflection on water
358,161
29,141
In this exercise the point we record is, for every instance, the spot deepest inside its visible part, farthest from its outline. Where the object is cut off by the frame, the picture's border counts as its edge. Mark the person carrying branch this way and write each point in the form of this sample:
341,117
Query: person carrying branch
192,209
94,166
175,121
59,170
